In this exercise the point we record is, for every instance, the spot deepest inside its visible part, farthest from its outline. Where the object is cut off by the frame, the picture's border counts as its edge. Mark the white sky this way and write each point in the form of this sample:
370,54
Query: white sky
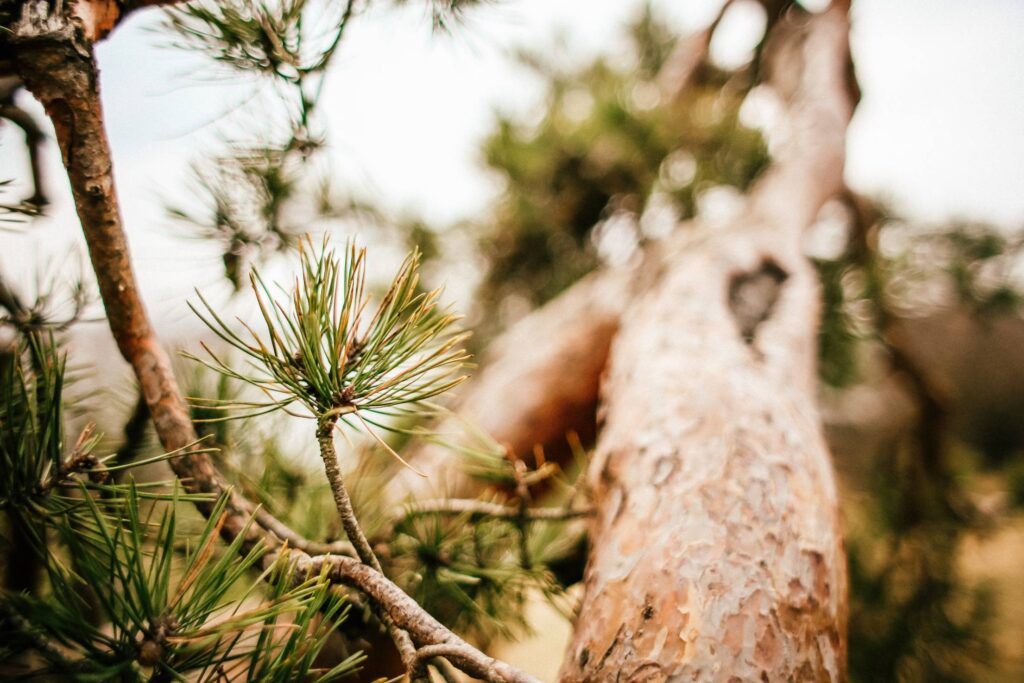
940,130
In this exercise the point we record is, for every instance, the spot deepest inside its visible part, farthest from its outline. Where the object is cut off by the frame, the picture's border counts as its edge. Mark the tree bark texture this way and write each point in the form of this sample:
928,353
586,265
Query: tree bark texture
716,552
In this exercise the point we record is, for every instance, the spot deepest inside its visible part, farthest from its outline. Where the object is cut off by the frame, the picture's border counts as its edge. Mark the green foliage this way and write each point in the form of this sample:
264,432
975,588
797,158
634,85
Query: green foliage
245,195
288,44
914,617
263,37
838,334
31,421
609,143
249,189
170,612
979,262
467,574
476,572
129,594
322,352
39,478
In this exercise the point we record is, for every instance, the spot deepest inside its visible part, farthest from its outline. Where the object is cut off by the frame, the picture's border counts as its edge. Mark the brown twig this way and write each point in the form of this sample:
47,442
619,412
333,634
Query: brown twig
477,509
347,515
424,656
408,615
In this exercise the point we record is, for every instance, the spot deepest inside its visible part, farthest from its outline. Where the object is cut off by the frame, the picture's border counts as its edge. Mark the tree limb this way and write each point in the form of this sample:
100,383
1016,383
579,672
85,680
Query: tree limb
408,615
55,61
480,509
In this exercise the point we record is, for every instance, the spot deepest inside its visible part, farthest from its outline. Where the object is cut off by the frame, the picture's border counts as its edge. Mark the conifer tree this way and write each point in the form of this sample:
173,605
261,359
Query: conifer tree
707,513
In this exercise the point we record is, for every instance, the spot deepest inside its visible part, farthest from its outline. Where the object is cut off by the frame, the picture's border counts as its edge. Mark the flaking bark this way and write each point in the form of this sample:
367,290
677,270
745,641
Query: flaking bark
716,552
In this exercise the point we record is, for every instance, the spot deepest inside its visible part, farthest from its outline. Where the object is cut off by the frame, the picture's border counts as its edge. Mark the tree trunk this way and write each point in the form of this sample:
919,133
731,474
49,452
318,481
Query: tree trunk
716,553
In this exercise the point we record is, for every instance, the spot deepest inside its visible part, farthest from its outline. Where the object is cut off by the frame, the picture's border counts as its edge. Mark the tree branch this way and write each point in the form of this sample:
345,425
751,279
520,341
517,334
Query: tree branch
408,615
55,60
427,653
347,515
477,509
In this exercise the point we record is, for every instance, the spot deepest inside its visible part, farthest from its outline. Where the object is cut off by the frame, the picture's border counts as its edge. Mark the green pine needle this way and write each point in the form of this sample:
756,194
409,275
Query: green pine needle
171,613
320,348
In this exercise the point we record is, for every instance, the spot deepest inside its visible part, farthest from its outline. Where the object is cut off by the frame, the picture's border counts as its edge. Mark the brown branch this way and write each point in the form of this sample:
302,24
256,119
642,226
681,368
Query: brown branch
477,509
408,615
295,540
55,61
427,653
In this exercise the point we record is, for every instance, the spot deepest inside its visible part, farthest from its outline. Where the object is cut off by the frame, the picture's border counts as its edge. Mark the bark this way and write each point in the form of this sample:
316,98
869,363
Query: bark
716,552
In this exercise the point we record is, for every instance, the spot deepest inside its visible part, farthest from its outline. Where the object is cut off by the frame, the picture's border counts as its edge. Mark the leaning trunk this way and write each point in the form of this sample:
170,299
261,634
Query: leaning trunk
716,550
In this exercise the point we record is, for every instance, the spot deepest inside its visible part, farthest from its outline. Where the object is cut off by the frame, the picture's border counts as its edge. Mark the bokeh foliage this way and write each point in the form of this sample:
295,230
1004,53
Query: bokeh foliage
606,144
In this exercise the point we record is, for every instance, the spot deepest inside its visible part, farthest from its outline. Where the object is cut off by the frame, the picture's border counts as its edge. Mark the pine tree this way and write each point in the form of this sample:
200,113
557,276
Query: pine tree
708,502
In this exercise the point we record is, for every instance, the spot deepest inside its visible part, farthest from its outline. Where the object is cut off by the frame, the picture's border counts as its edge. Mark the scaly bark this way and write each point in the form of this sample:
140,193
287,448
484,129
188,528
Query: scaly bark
716,553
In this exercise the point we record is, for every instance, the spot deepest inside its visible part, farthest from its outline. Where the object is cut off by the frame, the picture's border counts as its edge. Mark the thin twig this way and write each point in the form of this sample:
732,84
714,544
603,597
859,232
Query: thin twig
298,541
347,515
424,656
408,615
477,509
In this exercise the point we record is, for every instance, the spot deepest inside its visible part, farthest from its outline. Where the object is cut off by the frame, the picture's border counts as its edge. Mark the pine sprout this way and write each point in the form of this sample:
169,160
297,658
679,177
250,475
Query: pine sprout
318,349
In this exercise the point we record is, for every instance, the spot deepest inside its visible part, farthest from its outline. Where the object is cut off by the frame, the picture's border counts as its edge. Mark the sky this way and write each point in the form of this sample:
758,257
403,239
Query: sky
939,132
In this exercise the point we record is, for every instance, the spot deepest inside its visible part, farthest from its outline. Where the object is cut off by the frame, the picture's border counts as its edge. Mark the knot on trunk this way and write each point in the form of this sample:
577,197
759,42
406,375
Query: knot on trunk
752,296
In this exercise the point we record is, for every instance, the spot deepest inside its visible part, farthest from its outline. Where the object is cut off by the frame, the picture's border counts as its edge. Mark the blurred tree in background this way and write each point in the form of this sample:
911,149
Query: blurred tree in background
609,154
605,151
609,164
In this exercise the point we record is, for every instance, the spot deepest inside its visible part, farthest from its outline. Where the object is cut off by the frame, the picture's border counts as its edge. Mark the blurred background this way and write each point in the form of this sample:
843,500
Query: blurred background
523,143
